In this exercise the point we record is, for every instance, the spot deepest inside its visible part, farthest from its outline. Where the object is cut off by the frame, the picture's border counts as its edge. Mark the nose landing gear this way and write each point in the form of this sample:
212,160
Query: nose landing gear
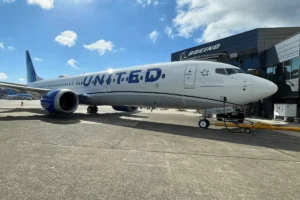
92,109
204,123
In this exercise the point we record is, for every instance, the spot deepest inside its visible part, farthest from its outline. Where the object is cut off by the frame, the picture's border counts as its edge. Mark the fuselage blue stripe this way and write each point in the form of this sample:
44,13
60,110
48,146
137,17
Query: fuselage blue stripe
162,93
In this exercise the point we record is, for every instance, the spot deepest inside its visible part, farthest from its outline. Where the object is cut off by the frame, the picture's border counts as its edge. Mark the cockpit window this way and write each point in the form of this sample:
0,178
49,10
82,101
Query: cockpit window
239,71
230,71
220,71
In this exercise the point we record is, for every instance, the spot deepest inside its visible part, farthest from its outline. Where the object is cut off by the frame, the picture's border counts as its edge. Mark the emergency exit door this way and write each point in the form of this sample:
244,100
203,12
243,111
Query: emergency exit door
190,76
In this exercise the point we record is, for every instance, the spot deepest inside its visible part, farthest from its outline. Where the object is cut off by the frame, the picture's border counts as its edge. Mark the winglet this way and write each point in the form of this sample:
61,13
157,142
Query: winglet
31,74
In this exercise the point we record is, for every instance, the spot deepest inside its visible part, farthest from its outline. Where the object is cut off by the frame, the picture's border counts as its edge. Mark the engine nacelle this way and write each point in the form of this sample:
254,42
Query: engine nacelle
60,101
125,108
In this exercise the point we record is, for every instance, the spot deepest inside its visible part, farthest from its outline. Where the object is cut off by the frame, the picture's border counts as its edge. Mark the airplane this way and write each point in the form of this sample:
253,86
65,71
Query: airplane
183,84
13,95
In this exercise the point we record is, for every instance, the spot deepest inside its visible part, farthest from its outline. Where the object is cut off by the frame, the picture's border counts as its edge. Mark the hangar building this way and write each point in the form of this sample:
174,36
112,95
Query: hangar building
272,53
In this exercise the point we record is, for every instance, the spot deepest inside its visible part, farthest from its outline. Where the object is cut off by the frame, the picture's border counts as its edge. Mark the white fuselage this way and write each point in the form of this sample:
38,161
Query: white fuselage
185,84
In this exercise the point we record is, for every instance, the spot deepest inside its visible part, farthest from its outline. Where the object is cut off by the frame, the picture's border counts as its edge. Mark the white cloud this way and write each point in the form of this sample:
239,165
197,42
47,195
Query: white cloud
45,4
8,1
162,18
3,76
198,40
11,48
80,1
120,49
101,46
153,36
72,63
38,59
21,79
169,32
67,38
144,3
217,19
1,45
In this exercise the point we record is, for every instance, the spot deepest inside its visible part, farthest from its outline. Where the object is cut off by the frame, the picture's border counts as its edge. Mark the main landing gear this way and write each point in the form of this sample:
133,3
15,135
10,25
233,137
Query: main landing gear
92,109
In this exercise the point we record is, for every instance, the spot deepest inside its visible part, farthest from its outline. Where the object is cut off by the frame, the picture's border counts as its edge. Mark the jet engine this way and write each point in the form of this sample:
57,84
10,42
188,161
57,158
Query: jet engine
60,101
125,108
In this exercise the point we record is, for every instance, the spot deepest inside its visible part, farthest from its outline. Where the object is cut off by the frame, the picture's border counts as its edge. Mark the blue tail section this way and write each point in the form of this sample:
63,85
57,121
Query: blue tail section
31,74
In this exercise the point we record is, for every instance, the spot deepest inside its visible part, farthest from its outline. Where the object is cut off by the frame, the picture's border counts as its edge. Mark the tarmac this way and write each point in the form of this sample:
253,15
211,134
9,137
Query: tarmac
161,154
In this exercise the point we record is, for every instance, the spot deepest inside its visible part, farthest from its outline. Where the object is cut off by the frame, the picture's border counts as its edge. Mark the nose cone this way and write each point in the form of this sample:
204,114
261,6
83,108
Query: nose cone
263,88
270,88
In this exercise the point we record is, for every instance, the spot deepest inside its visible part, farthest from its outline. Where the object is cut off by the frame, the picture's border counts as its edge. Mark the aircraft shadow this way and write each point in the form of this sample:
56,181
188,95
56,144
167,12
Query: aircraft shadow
263,138
30,110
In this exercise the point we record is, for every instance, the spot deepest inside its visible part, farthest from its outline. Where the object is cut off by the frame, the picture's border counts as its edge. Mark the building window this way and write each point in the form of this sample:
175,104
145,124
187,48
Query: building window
270,71
287,69
295,68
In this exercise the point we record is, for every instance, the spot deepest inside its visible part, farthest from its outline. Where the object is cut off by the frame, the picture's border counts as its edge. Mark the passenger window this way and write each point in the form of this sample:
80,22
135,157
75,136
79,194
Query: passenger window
230,71
221,71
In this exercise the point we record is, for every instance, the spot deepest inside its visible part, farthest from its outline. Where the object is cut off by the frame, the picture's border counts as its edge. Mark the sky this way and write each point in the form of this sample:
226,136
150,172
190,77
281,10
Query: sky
72,37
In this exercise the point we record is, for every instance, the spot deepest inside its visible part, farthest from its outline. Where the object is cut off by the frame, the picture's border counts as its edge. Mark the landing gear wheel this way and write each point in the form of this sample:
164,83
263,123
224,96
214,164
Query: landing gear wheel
204,123
90,109
247,130
94,109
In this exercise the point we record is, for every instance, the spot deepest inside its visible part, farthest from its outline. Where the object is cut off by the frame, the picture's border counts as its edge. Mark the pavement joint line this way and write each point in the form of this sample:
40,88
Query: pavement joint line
279,151
162,152
126,135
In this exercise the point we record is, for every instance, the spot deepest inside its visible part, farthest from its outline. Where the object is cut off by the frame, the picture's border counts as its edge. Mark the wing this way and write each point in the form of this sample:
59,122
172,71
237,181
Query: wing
37,93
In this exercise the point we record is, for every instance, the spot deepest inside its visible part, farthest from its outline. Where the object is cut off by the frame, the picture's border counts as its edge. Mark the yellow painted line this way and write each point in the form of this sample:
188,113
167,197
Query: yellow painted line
260,126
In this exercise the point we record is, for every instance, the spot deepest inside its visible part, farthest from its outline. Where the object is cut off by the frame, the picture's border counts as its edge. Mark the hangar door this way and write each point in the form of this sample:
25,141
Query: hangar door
190,76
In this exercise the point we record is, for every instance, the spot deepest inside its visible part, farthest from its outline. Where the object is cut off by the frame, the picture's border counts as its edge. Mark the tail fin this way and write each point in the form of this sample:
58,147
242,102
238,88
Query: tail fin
31,74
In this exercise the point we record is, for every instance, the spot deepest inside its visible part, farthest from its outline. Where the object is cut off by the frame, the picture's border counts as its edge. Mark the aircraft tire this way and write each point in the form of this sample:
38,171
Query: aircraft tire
247,130
94,109
89,109
204,123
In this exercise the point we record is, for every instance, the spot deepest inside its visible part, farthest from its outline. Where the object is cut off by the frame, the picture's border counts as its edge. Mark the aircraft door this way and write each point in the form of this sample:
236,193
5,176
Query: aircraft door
190,76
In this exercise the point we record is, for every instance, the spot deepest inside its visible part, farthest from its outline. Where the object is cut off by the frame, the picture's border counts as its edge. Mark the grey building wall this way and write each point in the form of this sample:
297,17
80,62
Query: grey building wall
243,42
283,51
253,41
268,37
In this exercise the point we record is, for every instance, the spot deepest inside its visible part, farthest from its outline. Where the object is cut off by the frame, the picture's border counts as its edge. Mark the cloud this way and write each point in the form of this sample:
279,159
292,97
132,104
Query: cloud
45,4
156,3
169,32
3,76
1,45
11,48
216,20
198,40
101,46
80,1
120,49
8,1
72,63
38,59
67,38
21,79
153,36
143,3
